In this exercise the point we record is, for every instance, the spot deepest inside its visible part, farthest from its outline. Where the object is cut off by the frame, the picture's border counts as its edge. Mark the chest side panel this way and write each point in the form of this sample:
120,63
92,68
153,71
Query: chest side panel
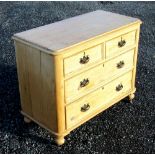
36,82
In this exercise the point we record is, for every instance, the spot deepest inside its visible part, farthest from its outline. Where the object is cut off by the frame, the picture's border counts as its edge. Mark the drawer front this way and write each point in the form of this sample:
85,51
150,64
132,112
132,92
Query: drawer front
83,59
78,85
77,111
117,45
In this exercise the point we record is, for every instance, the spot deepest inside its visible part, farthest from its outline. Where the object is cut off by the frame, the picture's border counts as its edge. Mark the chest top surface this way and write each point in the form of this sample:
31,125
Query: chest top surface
68,32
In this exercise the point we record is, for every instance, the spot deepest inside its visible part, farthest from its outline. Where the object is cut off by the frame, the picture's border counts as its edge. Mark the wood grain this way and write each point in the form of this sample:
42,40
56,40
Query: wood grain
71,31
23,78
50,72
97,99
36,77
102,72
112,47
72,63
135,58
59,93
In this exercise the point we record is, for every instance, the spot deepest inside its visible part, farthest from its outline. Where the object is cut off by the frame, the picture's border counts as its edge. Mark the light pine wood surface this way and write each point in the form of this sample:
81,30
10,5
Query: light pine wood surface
112,47
72,70
36,81
74,30
102,73
97,99
72,63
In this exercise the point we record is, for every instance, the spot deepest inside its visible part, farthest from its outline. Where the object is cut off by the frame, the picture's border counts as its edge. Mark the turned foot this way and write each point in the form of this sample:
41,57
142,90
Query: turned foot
131,97
60,140
27,120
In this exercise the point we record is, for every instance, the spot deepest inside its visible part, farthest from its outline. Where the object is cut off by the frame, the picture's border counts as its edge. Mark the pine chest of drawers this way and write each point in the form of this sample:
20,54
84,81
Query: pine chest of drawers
72,70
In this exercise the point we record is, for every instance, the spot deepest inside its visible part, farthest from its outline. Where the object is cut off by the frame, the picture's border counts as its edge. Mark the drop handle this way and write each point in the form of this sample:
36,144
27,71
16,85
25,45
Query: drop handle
121,43
120,64
84,59
119,87
85,107
84,83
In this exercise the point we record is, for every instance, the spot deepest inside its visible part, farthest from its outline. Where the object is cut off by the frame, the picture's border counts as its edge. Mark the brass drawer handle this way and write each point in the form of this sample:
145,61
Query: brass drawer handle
85,107
119,87
121,43
84,83
85,59
120,64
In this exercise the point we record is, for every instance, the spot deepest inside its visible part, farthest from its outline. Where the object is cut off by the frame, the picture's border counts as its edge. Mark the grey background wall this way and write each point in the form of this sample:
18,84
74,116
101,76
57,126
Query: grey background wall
124,128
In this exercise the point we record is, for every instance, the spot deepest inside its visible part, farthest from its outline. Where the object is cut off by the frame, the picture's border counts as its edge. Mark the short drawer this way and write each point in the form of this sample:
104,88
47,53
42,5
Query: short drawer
78,85
82,108
82,59
117,45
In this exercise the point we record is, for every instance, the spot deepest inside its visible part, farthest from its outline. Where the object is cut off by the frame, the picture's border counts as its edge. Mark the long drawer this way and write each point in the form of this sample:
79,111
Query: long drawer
77,111
78,85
